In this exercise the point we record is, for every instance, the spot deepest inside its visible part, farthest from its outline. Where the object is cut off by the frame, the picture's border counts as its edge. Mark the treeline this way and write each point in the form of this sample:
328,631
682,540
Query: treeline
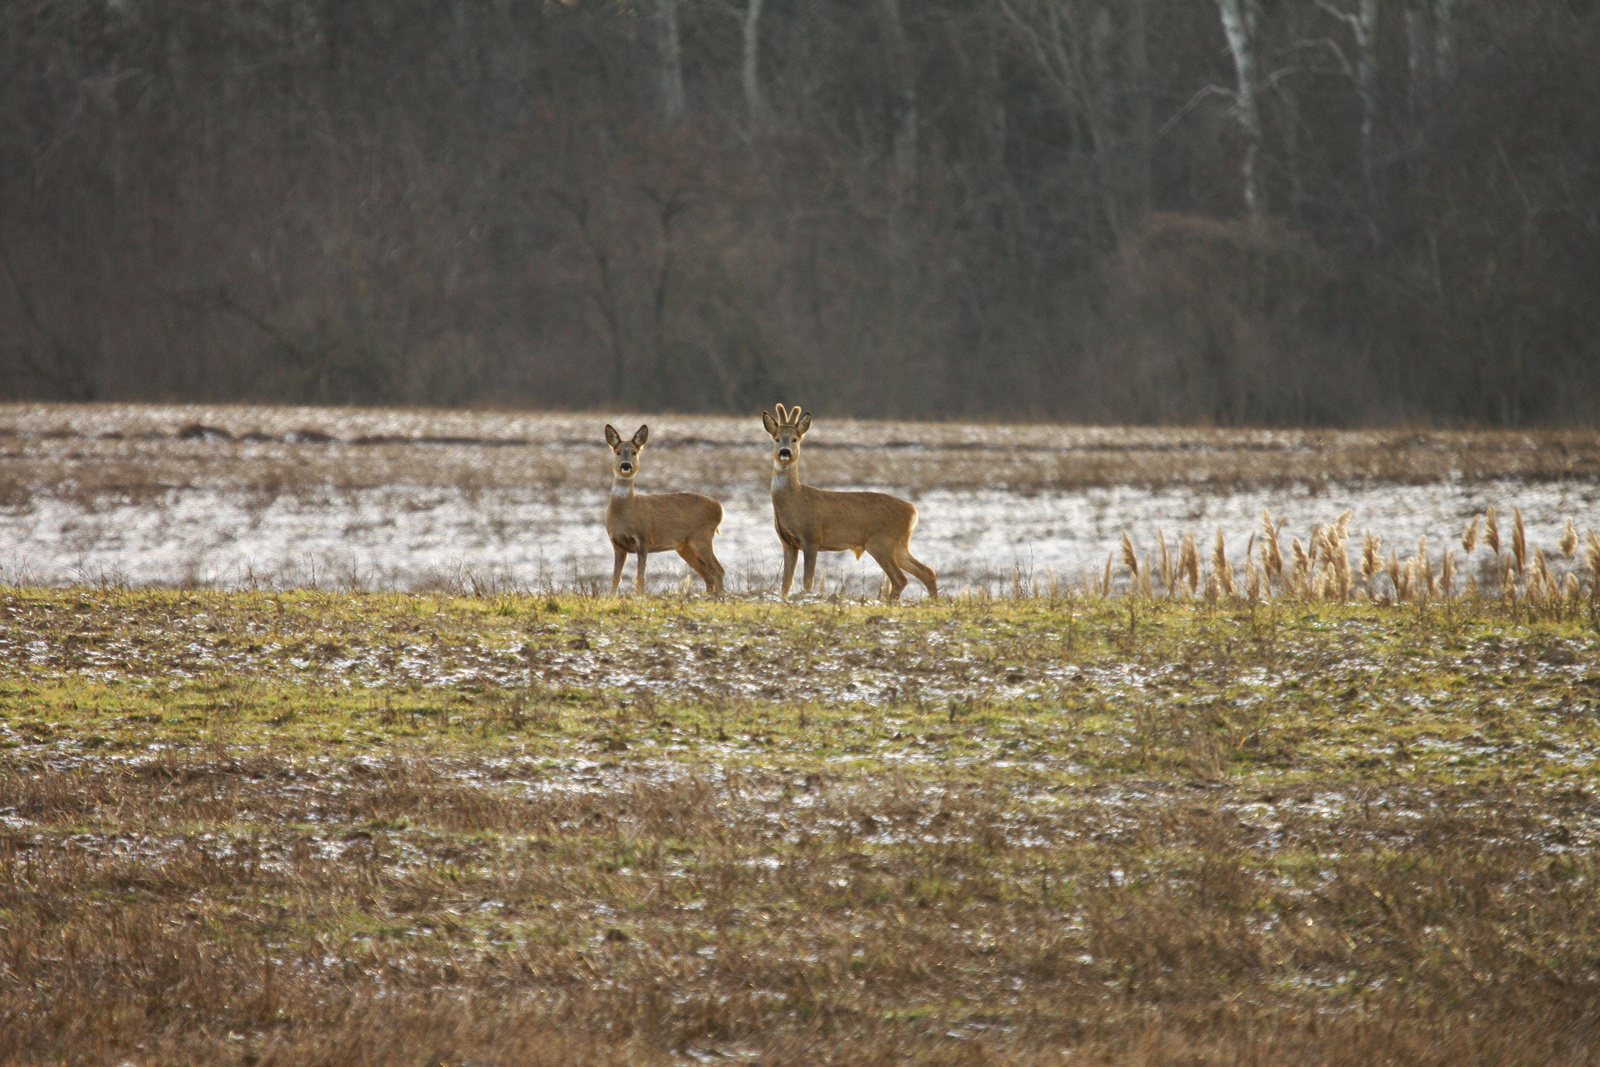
1230,211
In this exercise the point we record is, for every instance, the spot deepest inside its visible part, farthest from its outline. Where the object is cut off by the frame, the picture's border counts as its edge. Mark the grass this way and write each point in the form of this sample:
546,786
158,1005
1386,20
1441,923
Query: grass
316,827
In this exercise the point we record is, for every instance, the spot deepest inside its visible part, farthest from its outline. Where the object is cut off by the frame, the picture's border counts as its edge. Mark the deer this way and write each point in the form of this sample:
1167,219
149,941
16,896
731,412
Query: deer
654,522
811,520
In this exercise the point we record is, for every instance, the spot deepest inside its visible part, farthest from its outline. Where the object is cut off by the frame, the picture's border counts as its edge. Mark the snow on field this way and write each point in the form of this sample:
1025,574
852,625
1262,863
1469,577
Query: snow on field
410,536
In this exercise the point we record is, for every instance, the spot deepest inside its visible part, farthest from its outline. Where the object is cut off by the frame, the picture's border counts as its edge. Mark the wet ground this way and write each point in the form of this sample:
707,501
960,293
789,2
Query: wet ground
279,497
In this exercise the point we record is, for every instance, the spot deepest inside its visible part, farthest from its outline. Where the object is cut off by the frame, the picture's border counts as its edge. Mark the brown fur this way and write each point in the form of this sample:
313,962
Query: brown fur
645,523
811,520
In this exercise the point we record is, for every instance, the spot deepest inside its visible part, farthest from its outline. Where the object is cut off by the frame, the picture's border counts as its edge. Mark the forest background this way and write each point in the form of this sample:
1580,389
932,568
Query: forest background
1210,211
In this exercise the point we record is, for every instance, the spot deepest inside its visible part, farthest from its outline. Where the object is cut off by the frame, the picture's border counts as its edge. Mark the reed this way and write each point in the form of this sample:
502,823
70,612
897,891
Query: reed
1189,563
1271,549
1519,540
1168,579
1221,567
1371,559
1130,560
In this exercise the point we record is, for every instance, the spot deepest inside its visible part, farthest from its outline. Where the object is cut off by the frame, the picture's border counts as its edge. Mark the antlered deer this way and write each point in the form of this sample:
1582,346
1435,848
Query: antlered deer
813,520
646,523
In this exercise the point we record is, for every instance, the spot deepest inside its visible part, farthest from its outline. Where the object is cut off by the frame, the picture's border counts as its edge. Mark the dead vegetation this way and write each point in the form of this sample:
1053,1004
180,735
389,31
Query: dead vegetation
87,452
1567,586
259,828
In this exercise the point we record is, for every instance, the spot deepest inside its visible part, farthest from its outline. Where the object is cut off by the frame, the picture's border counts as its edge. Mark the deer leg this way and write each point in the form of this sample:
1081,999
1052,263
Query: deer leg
713,573
616,571
791,555
638,581
897,577
697,561
811,568
919,570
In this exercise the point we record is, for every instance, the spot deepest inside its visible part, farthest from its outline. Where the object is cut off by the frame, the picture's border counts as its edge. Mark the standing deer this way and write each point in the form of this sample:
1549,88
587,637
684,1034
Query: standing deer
646,523
819,520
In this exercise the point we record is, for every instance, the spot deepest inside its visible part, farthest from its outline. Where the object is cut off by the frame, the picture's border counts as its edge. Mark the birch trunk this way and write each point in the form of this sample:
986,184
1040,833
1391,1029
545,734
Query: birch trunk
755,103
1239,24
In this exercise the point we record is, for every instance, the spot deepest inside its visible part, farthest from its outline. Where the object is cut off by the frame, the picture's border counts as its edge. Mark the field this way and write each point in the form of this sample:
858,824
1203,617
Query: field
255,497
329,827
466,813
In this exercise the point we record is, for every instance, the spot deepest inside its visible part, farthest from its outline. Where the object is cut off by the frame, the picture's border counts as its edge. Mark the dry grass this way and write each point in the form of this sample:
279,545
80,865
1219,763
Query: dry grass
134,451
248,828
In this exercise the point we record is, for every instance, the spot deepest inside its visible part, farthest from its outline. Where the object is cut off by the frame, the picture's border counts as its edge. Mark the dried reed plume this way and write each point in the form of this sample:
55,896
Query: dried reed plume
1469,536
1519,539
1301,570
1189,562
1591,555
1396,576
1491,533
1540,583
1220,565
1167,577
1271,550
1569,538
1424,566
1447,573
1326,584
1130,560
1371,558
1252,577
1571,588
1341,555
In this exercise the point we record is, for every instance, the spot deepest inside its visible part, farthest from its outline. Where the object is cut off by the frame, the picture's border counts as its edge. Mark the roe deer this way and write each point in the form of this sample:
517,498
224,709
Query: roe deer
819,520
646,523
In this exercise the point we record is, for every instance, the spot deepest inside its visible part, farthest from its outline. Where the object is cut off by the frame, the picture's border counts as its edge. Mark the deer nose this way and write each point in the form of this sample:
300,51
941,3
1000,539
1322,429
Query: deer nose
626,467
783,453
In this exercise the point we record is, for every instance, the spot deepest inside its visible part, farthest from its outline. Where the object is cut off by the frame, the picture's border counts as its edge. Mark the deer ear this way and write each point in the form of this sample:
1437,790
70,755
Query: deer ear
640,436
803,424
613,438
770,424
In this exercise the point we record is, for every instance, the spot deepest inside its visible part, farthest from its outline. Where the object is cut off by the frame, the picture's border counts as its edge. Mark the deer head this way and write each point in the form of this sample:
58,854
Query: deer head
786,431
625,454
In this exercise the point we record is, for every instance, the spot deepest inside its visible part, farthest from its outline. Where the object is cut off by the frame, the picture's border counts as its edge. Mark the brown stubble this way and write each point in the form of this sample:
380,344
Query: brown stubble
796,919
98,451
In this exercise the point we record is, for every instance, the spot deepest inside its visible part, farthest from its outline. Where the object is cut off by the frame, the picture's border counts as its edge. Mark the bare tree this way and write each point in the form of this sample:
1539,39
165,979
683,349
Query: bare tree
1362,19
1073,60
1239,21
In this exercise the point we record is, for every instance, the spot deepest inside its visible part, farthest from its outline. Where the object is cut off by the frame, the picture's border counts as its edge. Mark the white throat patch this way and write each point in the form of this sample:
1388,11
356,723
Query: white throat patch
622,490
